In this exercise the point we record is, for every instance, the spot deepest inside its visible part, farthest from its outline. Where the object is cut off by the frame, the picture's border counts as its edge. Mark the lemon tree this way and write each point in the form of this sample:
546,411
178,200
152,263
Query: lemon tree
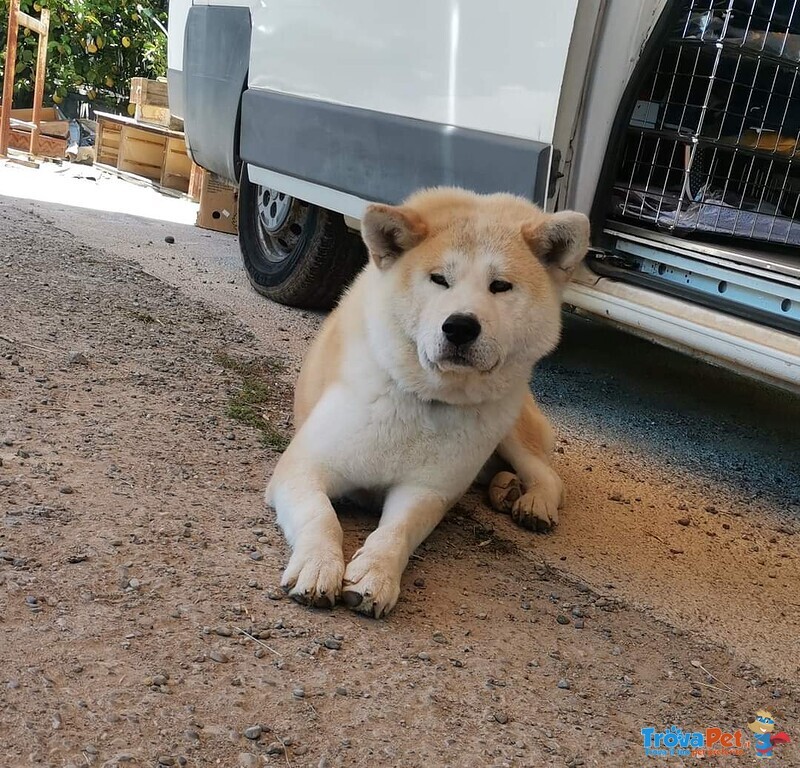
95,49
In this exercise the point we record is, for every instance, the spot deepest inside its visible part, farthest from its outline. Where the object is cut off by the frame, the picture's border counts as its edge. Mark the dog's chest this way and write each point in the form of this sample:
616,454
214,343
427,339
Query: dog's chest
393,438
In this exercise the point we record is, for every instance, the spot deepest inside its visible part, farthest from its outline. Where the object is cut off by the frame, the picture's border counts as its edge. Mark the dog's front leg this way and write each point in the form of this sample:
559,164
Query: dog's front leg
535,494
299,494
372,578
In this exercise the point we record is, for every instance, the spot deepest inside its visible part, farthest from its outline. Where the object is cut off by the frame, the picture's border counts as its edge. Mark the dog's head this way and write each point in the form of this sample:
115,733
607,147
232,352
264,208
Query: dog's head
473,283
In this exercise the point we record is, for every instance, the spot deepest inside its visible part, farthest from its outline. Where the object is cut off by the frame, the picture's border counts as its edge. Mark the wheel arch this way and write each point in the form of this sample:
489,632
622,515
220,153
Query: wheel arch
216,58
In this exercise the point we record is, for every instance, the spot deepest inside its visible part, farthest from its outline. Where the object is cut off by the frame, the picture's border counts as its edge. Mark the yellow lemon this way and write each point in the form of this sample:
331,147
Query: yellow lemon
99,42
109,82
92,48
126,42
131,109
37,7
57,99
91,94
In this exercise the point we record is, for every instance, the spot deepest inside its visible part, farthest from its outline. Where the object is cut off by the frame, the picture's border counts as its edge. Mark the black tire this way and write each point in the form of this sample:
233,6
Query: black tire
299,254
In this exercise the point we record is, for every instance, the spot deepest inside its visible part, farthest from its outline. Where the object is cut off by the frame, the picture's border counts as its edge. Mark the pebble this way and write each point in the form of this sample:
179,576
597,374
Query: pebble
248,760
299,693
169,239
256,555
218,656
224,631
134,583
695,692
420,583
526,606
684,521
78,358
342,691
90,749
422,656
166,760
616,651
67,489
676,551
332,644
577,612
301,750
501,717
564,683
579,623
562,619
276,748
159,679
253,732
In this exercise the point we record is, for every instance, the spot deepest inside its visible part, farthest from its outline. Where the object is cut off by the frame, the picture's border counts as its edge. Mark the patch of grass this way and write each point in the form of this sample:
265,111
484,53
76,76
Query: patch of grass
257,391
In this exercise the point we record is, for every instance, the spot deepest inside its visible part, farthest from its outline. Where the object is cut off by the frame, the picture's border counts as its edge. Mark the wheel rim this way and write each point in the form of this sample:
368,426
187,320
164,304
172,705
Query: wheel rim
282,223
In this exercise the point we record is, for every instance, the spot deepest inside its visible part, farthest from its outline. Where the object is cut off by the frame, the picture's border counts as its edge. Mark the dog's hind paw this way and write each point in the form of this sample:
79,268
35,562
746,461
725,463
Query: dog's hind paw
369,586
314,579
534,510
504,490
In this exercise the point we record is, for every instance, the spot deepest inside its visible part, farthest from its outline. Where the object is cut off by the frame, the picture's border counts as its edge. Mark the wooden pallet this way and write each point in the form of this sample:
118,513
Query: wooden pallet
150,151
151,100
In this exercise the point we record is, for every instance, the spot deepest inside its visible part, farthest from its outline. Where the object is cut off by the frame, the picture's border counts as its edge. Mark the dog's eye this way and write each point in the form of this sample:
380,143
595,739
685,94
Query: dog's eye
439,280
500,286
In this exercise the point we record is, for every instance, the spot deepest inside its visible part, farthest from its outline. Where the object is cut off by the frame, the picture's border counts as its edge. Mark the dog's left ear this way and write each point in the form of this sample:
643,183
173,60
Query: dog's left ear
390,231
560,242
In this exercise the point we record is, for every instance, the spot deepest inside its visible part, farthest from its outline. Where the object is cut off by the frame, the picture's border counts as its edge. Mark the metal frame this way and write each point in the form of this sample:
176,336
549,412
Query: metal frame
713,144
41,27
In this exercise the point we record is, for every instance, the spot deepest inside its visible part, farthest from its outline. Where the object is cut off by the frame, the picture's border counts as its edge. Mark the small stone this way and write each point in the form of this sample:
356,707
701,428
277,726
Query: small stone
90,749
684,521
331,643
67,489
159,679
134,583
580,623
259,653
577,612
341,691
501,717
564,684
218,656
275,748
423,656
78,358
169,239
419,583
256,555
562,619
526,606
438,637
616,651
300,750
253,732
166,760
248,760
627,680
299,693
676,551
224,631
695,692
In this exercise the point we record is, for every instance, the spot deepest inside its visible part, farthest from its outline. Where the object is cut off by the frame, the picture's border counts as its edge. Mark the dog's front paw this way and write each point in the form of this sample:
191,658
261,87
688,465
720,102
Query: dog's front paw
371,586
536,510
314,578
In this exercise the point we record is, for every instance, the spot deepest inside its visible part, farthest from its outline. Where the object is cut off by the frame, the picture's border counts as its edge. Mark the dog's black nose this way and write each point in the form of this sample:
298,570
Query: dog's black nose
461,329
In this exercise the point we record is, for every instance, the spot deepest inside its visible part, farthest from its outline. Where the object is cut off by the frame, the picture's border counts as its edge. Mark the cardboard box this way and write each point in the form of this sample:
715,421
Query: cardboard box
219,203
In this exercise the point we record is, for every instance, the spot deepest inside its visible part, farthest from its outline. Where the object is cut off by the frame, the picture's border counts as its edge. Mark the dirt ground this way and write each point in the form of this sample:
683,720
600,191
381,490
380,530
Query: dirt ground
141,622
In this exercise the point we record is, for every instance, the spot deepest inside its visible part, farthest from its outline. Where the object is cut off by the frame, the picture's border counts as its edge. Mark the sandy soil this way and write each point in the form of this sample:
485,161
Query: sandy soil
140,619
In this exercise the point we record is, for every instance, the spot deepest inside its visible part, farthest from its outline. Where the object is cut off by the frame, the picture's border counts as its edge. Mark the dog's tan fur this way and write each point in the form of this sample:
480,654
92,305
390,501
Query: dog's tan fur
415,418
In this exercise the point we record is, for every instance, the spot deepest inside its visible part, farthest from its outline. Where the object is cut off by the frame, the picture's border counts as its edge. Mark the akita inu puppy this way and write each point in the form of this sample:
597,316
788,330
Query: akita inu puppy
417,378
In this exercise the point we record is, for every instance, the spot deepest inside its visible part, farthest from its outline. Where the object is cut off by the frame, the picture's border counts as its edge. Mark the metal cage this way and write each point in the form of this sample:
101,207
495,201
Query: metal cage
713,141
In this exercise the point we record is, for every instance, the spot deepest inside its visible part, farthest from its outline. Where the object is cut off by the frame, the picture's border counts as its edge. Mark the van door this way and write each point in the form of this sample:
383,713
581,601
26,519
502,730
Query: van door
359,101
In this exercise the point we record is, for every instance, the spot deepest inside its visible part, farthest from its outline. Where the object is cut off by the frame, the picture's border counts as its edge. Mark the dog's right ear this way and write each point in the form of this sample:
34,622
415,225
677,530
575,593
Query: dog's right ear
390,231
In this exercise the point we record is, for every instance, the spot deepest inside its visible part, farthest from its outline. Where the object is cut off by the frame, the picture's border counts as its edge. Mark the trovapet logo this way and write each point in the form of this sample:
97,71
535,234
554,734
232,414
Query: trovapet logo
675,742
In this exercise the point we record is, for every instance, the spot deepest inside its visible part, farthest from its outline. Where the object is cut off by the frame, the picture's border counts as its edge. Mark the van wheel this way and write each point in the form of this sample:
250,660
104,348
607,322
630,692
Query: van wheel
295,253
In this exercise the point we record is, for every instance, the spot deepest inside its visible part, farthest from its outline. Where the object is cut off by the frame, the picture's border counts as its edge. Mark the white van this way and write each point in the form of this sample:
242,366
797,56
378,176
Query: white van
673,124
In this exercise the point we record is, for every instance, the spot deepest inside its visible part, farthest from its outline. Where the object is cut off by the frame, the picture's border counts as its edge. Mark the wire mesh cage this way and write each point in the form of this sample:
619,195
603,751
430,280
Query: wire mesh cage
713,142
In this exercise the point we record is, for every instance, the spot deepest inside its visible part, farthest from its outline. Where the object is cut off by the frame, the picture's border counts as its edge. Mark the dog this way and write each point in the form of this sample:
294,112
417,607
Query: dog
418,377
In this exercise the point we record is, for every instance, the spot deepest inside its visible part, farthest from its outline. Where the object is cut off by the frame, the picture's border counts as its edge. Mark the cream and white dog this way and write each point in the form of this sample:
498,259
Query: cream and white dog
417,378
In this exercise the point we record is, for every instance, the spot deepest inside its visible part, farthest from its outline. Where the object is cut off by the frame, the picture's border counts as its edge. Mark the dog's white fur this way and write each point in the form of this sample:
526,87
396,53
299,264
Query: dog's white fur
387,405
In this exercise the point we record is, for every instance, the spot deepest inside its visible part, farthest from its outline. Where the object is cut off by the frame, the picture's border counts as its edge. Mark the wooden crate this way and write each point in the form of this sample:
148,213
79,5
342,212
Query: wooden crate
153,93
142,152
107,142
149,151
177,166
48,146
